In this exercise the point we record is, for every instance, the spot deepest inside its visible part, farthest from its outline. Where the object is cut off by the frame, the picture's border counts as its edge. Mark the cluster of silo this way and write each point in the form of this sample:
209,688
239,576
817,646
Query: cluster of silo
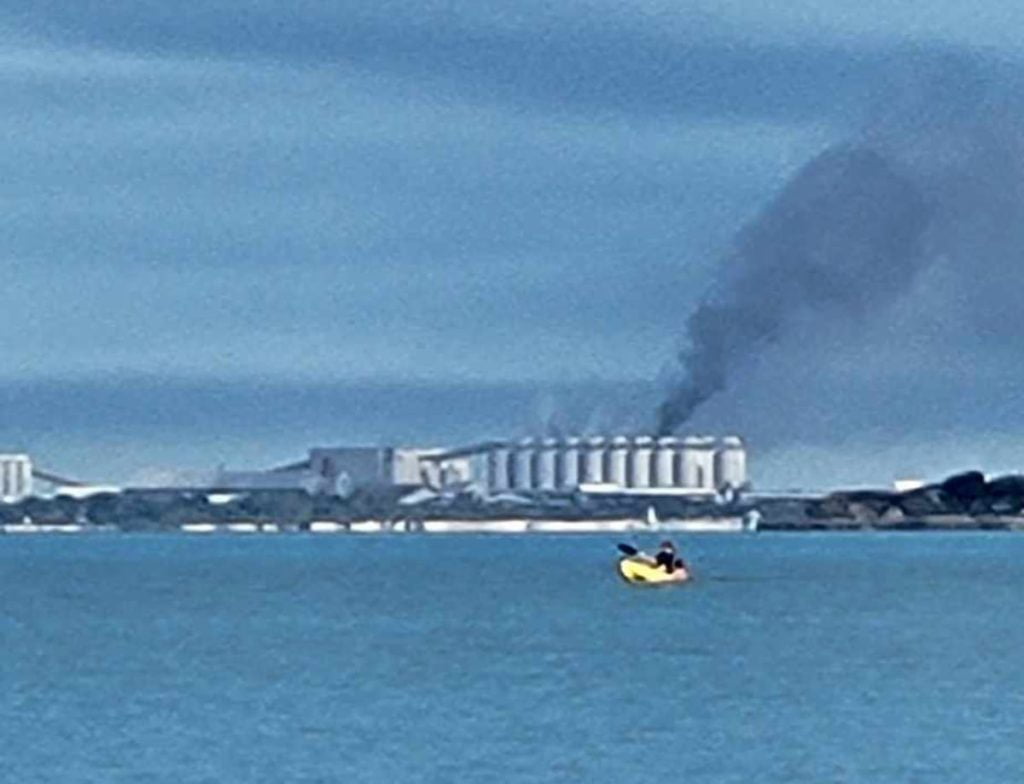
637,462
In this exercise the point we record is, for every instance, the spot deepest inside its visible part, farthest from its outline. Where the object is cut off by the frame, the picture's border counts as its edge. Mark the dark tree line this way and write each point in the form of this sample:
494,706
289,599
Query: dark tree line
963,495
155,510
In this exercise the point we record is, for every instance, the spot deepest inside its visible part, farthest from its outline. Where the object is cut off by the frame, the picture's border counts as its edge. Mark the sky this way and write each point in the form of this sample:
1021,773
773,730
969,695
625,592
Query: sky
234,231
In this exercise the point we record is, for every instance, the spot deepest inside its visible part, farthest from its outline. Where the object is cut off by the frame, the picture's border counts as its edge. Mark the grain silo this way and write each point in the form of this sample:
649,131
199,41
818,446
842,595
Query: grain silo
593,460
522,465
698,463
498,456
640,461
547,458
618,462
665,474
730,464
569,463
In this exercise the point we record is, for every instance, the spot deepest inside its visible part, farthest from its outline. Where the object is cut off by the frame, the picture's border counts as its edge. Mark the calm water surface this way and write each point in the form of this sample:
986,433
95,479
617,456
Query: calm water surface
799,657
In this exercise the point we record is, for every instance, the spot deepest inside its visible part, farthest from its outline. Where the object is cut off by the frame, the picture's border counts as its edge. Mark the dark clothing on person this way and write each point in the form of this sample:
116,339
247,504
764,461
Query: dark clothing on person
667,559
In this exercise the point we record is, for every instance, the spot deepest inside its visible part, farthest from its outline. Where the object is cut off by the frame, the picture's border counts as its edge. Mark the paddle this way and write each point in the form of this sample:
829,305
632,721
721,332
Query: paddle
627,549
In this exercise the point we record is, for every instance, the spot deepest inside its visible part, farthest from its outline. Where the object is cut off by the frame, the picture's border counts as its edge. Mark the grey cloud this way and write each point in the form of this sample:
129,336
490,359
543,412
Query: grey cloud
123,170
583,62
111,426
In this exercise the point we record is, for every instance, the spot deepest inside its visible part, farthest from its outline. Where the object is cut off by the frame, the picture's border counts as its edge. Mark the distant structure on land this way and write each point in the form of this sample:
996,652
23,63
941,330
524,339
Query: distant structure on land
694,465
697,465
15,477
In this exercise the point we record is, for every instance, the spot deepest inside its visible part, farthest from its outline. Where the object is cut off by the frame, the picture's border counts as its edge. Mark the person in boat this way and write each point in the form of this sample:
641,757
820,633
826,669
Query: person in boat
667,559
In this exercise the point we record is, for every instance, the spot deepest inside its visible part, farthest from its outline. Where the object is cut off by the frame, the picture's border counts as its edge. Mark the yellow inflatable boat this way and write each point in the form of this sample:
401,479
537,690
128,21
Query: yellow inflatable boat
641,571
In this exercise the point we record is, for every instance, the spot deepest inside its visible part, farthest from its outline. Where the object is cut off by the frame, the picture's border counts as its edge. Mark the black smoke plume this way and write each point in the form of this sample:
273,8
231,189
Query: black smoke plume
923,210
843,236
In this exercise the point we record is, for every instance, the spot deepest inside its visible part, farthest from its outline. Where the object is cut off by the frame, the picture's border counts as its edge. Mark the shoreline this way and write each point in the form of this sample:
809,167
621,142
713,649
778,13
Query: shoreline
525,526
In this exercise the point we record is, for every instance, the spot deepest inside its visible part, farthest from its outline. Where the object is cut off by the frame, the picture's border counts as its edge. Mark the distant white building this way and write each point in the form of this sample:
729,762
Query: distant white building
15,477
341,469
344,469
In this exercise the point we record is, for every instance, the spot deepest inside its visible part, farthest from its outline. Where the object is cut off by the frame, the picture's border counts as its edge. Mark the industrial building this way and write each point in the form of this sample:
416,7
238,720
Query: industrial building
15,477
340,470
640,464
636,463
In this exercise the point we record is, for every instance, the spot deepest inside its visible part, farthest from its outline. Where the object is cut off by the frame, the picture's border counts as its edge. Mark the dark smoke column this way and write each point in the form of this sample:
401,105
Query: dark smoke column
843,237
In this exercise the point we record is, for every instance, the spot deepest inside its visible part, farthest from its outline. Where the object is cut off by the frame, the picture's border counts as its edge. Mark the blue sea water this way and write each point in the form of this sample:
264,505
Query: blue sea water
794,657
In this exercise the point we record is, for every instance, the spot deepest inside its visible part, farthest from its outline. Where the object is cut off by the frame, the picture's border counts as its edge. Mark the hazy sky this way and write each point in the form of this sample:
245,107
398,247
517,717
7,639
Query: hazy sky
215,214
